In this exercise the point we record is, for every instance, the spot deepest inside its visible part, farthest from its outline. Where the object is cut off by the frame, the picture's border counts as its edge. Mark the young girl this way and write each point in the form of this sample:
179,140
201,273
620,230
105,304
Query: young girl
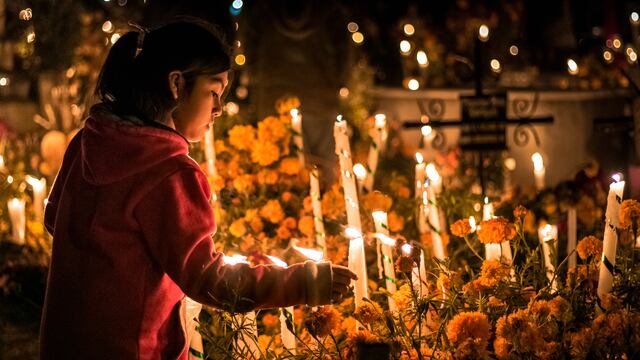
130,214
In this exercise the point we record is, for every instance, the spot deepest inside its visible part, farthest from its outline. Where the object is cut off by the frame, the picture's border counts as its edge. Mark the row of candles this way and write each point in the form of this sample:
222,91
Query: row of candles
16,207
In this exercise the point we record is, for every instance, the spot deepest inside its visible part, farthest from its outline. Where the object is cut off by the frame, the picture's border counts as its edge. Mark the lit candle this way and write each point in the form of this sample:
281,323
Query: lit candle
421,174
572,236
378,135
538,170
434,188
246,321
18,220
547,235
296,125
361,175
357,264
509,167
418,273
386,245
487,209
492,251
427,138
316,203
39,188
608,263
343,150
287,325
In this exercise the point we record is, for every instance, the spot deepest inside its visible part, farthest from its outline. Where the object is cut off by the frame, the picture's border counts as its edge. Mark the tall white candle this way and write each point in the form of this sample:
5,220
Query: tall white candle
487,210
547,235
491,251
387,245
377,134
18,220
608,263
421,175
248,341
316,203
538,170
434,188
296,125
286,318
572,236
39,191
418,273
357,264
343,150
427,138
361,175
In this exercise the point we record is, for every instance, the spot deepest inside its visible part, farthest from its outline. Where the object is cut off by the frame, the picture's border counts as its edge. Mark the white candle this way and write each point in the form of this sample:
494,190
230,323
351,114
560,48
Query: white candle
487,210
427,137
343,150
357,264
491,251
387,245
316,203
296,125
377,134
608,263
361,175
547,235
434,188
572,236
194,337
247,322
287,325
18,220
538,170
39,190
421,175
509,167
418,273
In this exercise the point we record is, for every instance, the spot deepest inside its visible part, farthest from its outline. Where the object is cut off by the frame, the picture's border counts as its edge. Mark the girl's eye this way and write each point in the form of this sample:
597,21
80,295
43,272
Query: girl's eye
214,93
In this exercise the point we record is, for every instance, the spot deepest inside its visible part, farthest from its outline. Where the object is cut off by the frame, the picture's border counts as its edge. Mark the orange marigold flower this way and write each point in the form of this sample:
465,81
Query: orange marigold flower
306,226
629,213
289,166
496,230
461,228
290,223
520,211
403,297
369,313
589,246
307,204
237,228
286,103
267,177
286,196
270,321
403,192
502,348
560,308
272,211
358,339
492,272
404,264
272,130
283,232
579,343
376,200
469,326
243,183
324,321
256,225
219,146
333,206
242,137
396,222
264,153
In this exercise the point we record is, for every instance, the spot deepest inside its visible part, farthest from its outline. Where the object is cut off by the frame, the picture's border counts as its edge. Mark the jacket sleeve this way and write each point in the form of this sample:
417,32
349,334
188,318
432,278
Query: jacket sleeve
177,223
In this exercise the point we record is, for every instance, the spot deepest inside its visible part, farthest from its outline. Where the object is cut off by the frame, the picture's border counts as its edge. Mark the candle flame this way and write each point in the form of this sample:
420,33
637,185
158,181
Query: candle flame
380,216
360,171
407,249
419,158
486,199
617,177
538,163
547,231
235,259
381,120
339,118
426,130
312,254
472,222
386,239
352,233
35,183
432,173
294,113
277,261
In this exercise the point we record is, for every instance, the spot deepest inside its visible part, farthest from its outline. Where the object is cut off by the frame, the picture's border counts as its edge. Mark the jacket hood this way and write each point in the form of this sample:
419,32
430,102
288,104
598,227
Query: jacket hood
113,148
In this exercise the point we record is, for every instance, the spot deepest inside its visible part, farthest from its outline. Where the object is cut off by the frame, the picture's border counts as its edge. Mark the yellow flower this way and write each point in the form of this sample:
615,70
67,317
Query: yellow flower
369,313
242,137
272,211
579,343
396,222
271,130
629,213
333,203
492,272
461,228
306,226
403,297
237,228
376,200
469,326
495,231
267,177
324,321
243,183
220,146
286,103
264,153
270,321
289,166
256,225
588,246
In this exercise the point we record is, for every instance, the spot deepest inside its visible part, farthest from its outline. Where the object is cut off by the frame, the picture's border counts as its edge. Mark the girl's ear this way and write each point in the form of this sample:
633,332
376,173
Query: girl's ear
176,83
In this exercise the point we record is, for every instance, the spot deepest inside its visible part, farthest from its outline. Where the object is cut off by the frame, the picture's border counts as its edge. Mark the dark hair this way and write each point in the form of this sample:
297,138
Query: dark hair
135,82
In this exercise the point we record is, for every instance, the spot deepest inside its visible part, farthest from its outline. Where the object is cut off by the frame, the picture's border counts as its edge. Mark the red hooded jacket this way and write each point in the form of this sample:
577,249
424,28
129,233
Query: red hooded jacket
132,227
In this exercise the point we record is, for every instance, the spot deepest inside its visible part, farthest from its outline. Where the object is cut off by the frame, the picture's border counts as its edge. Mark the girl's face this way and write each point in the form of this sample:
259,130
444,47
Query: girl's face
196,110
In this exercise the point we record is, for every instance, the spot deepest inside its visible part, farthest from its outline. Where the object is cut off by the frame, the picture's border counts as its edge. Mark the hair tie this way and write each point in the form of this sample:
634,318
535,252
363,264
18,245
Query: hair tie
142,31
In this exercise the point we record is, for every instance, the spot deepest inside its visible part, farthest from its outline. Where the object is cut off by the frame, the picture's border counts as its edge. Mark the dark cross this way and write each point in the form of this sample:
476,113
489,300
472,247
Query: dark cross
484,118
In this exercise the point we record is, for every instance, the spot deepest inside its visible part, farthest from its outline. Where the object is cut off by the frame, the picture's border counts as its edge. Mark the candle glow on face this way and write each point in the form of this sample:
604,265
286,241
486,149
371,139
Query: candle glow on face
538,163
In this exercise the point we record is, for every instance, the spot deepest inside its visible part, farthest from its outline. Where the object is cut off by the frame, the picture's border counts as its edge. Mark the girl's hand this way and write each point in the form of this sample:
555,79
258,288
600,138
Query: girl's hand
342,277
